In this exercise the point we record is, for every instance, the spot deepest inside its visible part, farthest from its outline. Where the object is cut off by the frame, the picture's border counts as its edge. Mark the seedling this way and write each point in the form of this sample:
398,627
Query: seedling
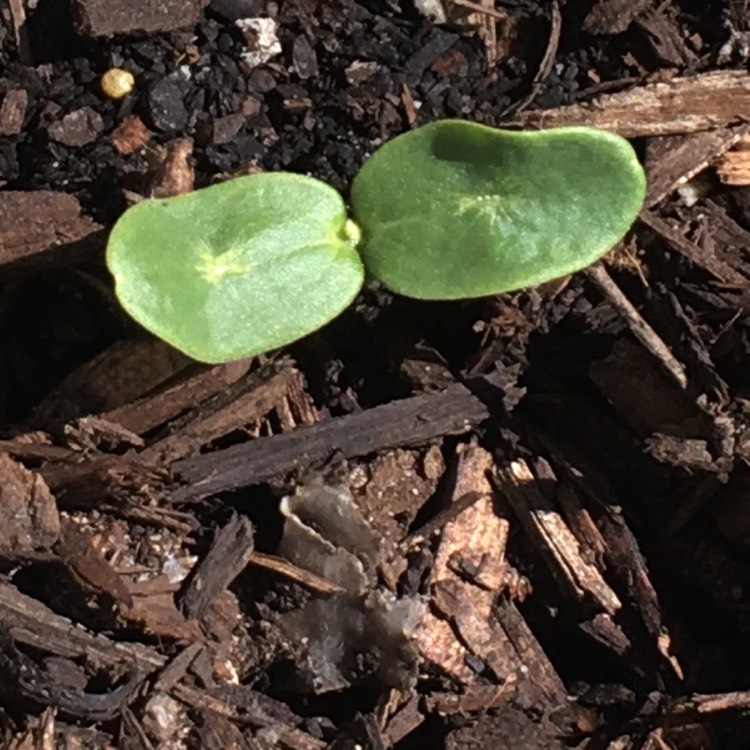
238,268
458,210
452,210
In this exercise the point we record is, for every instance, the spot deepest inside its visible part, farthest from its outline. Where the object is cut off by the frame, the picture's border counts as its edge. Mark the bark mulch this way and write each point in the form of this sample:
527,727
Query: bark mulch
513,522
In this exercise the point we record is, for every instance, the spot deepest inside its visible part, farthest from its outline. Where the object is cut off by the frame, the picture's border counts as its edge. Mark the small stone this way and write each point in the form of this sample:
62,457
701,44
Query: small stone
130,136
12,111
358,72
78,128
233,10
304,59
261,81
166,107
251,106
226,128
164,719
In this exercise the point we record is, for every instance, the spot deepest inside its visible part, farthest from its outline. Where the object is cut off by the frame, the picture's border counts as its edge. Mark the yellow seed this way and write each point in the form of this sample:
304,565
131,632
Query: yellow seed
117,83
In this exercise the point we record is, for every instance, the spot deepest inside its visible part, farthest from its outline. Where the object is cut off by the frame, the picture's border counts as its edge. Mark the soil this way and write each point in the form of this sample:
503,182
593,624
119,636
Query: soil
511,522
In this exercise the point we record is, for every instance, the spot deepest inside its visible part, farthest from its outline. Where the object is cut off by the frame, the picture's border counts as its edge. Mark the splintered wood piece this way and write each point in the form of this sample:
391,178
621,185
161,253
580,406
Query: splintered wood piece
410,109
738,700
471,545
408,422
732,241
106,18
665,38
40,734
398,715
227,557
239,408
481,15
28,513
624,559
639,327
544,680
701,256
734,166
34,683
682,105
551,535
677,159
153,410
93,433
580,521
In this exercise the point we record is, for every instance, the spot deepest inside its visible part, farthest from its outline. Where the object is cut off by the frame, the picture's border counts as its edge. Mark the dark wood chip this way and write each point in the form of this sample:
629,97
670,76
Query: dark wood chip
109,17
227,557
413,421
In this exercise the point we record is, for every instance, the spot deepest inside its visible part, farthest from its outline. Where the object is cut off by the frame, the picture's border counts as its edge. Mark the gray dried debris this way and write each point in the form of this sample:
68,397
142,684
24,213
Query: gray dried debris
363,633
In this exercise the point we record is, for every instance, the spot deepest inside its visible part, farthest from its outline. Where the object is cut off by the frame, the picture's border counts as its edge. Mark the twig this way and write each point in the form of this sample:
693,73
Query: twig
640,328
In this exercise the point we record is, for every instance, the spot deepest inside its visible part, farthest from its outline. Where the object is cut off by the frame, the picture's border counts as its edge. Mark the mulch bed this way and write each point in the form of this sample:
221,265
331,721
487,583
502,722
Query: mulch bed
512,522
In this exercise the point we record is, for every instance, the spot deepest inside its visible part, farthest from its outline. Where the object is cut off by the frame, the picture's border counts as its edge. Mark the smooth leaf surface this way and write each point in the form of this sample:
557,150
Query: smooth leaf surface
457,210
238,268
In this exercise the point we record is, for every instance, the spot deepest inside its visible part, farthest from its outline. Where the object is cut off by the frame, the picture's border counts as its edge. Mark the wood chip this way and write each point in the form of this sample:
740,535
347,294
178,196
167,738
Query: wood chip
613,16
664,36
28,513
734,166
78,128
34,223
109,17
240,408
703,257
682,105
408,422
474,539
165,403
410,109
227,557
88,566
673,160
553,538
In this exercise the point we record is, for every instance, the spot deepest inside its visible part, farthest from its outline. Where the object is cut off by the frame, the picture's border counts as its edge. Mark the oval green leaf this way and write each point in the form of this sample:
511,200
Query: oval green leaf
238,268
456,210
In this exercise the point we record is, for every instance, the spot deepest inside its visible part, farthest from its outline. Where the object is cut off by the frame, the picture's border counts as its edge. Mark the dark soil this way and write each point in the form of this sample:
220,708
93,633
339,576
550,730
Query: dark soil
510,522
